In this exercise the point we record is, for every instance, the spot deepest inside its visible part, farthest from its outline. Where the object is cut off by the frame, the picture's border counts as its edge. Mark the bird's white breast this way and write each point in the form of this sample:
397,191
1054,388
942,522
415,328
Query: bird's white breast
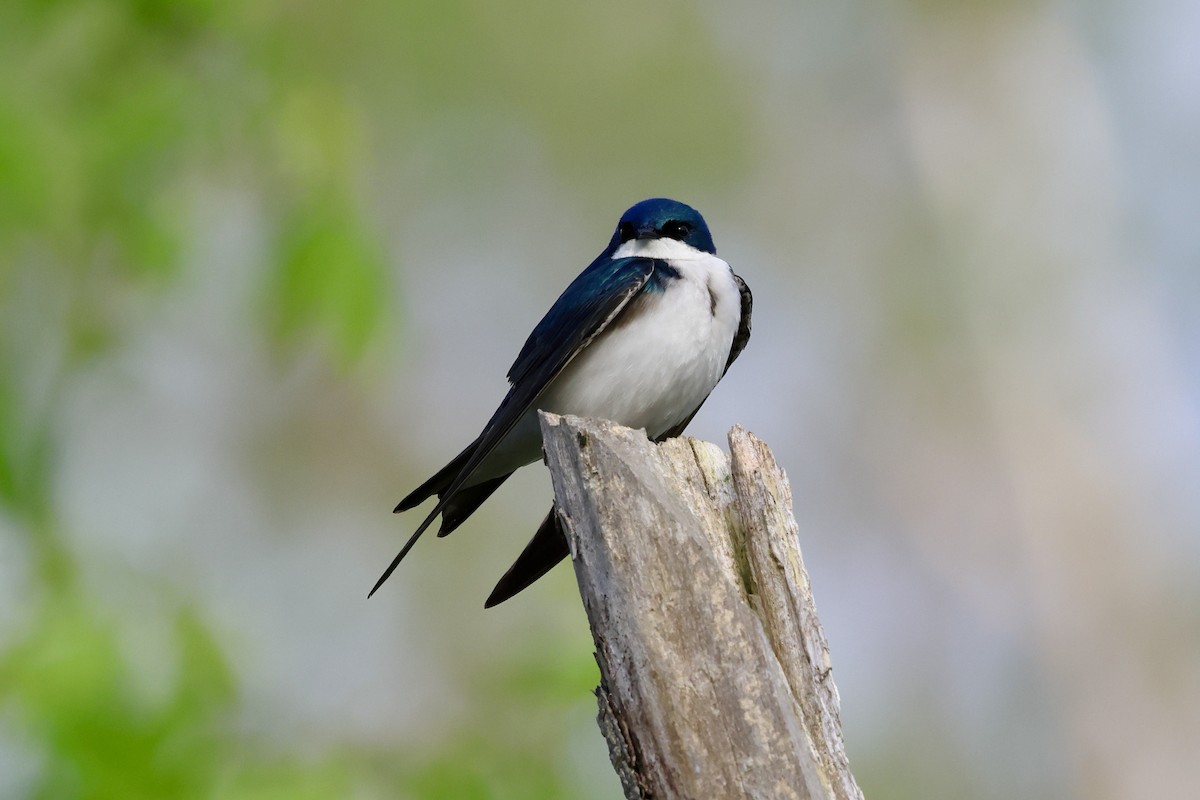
653,366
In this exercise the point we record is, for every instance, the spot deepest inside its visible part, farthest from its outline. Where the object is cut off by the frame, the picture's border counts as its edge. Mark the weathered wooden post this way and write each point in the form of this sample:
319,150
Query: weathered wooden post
715,673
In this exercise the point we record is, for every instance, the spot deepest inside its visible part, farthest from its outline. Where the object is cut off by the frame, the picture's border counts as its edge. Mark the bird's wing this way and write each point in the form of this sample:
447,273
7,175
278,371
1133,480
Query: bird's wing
743,332
588,306
549,545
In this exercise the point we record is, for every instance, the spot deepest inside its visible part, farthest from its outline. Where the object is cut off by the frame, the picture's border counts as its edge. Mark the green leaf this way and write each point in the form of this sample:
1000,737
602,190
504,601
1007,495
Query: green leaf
330,282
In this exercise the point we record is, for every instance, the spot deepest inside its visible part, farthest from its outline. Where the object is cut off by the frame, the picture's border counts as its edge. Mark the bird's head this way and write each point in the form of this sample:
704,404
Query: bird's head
659,220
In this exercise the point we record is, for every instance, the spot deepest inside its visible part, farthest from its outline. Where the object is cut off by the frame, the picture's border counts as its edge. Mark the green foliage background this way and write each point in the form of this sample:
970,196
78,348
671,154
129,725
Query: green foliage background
114,117
109,113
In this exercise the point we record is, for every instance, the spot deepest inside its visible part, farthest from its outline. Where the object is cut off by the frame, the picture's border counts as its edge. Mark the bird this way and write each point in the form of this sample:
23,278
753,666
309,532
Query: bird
640,338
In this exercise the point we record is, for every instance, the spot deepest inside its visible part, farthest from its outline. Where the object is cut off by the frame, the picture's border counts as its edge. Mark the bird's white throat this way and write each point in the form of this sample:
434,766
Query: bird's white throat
664,248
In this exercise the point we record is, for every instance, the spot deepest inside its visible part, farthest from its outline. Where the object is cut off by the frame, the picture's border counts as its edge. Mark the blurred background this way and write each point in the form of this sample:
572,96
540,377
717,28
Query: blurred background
263,267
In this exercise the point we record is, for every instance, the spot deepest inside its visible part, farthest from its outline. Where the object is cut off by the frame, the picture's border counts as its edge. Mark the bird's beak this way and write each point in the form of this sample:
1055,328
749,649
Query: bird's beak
647,232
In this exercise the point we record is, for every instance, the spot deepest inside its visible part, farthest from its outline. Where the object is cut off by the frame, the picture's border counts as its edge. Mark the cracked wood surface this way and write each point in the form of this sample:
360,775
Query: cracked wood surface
715,673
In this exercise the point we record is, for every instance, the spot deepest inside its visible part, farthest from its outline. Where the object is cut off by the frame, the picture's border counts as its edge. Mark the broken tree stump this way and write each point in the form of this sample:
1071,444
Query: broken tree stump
715,673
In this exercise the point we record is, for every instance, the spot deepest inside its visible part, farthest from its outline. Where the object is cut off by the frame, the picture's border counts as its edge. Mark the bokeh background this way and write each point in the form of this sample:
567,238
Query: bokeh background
263,267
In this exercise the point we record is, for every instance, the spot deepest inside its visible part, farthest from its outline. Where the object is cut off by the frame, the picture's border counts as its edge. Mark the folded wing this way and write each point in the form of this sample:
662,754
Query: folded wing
589,305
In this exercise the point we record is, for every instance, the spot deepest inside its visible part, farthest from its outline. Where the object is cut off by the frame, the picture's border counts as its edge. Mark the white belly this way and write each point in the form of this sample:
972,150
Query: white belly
649,371
654,370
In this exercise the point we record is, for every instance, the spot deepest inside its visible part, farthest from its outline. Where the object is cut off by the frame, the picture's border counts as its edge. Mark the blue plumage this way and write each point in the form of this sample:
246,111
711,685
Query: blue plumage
659,216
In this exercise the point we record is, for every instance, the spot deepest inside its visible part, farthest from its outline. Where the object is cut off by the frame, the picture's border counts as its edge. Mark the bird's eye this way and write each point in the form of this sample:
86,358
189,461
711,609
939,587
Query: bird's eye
626,231
676,229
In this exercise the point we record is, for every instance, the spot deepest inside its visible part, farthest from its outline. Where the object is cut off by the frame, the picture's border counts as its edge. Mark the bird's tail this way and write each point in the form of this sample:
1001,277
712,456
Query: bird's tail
465,501
439,483
454,509
547,547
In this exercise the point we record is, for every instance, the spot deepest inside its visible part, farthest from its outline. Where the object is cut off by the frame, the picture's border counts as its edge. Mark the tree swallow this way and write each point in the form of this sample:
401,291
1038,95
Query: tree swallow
640,337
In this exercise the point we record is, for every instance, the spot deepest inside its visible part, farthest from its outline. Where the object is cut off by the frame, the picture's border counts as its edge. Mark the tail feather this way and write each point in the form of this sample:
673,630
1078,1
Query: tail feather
464,503
453,510
439,482
387,573
547,547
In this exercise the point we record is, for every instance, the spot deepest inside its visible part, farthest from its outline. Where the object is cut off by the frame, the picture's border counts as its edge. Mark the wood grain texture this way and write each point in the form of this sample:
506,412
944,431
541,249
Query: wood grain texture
715,674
